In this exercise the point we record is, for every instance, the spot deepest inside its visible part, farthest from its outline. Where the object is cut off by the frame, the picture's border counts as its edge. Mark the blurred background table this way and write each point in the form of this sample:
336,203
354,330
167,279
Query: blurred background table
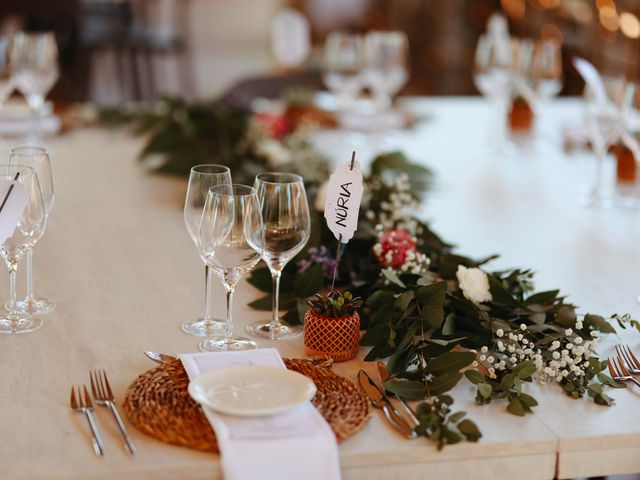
125,274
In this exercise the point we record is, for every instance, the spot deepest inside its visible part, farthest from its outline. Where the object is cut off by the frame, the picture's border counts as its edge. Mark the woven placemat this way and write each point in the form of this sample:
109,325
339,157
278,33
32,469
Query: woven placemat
158,404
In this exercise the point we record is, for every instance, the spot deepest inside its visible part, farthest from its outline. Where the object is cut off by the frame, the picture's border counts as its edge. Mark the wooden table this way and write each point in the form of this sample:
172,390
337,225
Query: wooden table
124,273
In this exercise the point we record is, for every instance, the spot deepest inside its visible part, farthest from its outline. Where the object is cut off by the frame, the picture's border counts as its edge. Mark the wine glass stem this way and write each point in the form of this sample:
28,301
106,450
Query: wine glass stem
208,278
229,327
12,289
275,307
29,256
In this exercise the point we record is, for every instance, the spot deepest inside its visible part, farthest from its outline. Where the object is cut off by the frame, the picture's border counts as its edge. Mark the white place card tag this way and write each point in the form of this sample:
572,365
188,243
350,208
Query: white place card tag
13,208
344,194
592,78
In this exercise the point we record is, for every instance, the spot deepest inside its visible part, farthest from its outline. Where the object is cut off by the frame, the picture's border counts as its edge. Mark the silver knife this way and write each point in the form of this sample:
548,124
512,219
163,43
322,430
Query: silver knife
379,400
384,376
160,358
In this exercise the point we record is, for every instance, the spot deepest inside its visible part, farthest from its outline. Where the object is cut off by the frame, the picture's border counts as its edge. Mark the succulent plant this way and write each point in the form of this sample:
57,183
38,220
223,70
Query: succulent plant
335,304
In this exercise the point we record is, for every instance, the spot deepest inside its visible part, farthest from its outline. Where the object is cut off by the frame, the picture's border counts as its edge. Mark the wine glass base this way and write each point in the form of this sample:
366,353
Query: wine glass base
15,324
33,306
224,344
203,327
268,330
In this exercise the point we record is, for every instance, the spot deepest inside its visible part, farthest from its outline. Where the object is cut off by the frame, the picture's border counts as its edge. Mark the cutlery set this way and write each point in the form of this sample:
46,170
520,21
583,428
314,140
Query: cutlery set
381,398
81,402
624,366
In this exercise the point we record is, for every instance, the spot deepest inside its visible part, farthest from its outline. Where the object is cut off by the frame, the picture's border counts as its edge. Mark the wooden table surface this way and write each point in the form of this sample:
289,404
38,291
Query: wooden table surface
118,262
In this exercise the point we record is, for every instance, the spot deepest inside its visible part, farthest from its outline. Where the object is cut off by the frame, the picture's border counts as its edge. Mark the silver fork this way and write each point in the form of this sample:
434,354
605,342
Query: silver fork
104,396
619,373
626,356
84,405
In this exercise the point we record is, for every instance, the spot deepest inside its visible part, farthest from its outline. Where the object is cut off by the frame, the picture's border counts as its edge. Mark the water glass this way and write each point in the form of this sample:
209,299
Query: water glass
343,63
386,65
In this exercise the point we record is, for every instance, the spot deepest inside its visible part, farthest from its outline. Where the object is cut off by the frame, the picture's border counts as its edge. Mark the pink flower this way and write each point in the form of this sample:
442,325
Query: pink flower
394,247
276,126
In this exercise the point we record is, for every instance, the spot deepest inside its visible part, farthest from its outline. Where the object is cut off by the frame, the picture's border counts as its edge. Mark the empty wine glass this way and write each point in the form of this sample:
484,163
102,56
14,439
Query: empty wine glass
386,65
343,62
201,179
287,226
6,83
546,69
36,158
604,122
34,66
29,229
229,242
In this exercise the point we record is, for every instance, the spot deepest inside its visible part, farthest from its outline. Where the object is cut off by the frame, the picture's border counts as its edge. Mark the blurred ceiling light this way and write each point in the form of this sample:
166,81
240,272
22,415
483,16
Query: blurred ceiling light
608,11
605,3
630,25
608,21
548,31
513,8
580,10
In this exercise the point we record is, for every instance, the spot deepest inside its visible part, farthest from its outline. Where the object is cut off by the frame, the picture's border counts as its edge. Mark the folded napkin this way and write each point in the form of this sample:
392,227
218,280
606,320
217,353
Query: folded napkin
293,445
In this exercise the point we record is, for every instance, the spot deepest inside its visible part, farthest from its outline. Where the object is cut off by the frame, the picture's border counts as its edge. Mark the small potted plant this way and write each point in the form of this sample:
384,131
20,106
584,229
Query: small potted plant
332,326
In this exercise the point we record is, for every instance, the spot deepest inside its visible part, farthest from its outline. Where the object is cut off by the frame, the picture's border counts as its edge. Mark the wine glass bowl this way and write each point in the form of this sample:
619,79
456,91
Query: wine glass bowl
386,64
342,66
201,179
34,66
229,241
287,226
29,229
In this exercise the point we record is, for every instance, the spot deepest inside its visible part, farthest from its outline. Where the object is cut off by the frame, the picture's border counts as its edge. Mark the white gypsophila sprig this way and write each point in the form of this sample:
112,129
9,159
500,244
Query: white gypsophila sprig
399,209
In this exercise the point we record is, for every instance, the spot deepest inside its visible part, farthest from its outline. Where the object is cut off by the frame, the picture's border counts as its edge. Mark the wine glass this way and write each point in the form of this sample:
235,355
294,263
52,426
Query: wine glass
34,66
6,83
546,69
36,158
287,226
604,122
201,179
229,241
29,229
343,62
493,75
386,69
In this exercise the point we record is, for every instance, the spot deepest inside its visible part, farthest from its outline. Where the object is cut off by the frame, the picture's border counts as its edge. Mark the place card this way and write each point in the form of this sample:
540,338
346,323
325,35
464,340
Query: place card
13,201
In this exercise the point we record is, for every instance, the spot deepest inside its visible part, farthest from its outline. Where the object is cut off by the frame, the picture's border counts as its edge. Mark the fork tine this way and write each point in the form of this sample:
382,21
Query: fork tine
107,386
623,369
612,369
87,397
94,390
622,356
74,403
635,362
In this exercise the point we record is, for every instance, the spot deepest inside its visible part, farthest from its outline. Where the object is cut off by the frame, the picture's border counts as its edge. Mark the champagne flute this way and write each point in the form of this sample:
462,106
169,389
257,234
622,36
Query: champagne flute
34,66
36,158
27,232
201,179
386,70
287,226
229,241
343,62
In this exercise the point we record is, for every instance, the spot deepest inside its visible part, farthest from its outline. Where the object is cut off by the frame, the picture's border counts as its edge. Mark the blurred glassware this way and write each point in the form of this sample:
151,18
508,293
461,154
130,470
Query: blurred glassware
386,68
34,66
343,63
201,179
229,241
290,38
36,158
604,122
546,69
628,154
28,231
287,226
6,83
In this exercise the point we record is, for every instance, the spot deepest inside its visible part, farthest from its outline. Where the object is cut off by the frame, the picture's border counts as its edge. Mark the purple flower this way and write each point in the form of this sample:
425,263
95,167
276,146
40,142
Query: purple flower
321,256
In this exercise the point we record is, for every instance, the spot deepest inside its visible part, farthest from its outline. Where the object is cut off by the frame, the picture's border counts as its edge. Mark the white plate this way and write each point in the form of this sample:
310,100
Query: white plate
252,390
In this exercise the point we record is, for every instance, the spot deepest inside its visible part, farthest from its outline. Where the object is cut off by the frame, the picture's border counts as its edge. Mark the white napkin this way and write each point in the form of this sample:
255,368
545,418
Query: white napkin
294,445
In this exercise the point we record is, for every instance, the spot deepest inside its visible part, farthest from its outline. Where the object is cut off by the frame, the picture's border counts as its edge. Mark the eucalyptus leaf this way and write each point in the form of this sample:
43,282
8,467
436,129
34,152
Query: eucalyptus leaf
449,362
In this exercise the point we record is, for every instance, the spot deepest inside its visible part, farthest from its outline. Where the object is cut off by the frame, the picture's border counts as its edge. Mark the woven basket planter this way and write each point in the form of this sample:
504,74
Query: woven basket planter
338,338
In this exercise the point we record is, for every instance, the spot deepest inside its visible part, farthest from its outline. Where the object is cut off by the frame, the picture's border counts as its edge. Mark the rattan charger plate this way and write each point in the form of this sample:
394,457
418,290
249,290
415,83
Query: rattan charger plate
158,404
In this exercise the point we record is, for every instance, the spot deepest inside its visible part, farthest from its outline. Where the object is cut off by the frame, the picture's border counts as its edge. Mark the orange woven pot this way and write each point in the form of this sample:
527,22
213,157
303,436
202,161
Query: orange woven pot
338,338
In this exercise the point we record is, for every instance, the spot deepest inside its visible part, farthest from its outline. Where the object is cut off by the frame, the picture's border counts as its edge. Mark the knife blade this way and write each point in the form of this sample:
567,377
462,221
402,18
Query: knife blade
160,358
384,376
379,400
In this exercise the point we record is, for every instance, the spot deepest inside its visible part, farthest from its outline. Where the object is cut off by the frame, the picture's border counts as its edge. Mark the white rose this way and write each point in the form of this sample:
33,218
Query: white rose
474,284
321,197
